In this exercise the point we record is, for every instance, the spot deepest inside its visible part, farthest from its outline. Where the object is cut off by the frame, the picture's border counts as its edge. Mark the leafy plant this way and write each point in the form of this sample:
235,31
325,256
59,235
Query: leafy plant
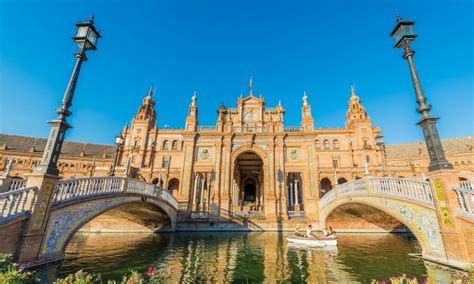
12,273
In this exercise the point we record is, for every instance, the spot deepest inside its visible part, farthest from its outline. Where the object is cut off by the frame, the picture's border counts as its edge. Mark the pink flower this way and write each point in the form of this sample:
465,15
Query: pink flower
151,270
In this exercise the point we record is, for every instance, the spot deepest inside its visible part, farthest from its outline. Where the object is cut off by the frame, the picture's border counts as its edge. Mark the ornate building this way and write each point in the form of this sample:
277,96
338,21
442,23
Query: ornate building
248,163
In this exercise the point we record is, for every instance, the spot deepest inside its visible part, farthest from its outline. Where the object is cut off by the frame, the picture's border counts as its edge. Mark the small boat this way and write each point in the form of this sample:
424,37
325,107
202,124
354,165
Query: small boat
314,242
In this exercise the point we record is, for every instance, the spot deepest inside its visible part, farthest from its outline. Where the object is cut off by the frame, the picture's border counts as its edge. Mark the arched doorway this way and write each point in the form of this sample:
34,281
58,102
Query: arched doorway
325,186
173,186
247,186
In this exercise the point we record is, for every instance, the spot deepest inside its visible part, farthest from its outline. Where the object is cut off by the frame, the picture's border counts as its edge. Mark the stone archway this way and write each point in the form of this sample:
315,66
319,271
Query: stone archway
419,219
248,181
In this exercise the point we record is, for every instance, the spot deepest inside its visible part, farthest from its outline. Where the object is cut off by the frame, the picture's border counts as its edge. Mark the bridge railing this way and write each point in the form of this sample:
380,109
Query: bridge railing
17,184
17,202
415,190
69,189
465,194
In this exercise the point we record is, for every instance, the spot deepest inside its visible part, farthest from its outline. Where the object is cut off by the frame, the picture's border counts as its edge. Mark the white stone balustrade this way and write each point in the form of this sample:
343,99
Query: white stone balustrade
465,194
401,188
17,184
16,202
71,189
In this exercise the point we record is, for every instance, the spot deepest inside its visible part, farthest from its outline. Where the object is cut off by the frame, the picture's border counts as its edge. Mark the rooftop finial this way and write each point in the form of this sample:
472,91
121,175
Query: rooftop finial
399,18
150,92
194,99
353,91
250,85
279,103
305,99
91,19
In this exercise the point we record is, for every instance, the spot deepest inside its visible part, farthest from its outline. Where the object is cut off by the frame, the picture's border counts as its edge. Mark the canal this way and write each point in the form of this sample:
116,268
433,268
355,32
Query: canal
247,257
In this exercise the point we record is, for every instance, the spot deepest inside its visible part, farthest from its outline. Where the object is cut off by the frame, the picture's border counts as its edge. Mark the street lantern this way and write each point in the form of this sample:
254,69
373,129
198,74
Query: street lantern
403,34
119,140
86,35
379,140
119,143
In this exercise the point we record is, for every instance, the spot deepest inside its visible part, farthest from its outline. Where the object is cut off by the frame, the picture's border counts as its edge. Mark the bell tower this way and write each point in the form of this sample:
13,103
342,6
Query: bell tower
138,137
307,122
356,112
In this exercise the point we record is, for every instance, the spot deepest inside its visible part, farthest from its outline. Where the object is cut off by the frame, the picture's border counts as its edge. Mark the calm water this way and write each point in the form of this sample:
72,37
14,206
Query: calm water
248,257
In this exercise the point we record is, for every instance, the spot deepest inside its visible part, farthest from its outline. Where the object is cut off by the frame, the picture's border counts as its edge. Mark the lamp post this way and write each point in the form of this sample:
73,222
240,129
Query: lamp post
403,35
118,142
381,144
86,38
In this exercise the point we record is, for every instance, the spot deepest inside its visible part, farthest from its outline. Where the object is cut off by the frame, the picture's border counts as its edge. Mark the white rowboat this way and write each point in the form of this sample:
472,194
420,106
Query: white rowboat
314,242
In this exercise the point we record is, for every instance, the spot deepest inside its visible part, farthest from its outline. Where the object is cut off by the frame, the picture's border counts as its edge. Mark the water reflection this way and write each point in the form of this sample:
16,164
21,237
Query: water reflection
252,257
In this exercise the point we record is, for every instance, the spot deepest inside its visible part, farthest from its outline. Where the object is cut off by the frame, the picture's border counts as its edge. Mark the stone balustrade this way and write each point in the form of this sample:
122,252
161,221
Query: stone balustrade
17,184
465,194
401,188
70,189
17,202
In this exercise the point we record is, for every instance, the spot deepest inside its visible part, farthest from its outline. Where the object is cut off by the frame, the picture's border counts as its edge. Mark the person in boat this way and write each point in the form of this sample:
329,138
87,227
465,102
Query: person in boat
328,232
309,232
297,232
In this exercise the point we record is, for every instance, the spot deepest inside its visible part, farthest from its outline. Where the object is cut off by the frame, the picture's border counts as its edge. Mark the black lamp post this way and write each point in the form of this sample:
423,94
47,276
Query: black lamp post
403,35
86,38
381,144
118,142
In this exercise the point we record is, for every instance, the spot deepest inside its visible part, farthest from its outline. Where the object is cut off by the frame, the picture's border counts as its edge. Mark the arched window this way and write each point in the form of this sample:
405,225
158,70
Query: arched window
173,186
318,145
174,146
335,145
325,186
341,180
166,145
326,145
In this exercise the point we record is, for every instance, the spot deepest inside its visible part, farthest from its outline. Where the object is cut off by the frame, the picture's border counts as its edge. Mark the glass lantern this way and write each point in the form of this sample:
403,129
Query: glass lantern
118,140
86,35
403,33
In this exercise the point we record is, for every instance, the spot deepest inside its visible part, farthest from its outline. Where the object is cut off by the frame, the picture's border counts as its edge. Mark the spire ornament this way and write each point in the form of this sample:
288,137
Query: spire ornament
305,99
194,99
250,86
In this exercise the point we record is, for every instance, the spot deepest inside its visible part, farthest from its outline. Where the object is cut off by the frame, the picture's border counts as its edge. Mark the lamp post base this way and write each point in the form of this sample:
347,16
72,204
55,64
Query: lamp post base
440,165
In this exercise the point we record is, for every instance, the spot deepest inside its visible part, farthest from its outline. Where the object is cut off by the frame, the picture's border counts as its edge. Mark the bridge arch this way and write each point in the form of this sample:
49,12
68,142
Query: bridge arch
408,201
67,219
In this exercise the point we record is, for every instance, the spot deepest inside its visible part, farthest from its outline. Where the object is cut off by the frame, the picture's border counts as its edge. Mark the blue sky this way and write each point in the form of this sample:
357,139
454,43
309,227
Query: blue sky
214,46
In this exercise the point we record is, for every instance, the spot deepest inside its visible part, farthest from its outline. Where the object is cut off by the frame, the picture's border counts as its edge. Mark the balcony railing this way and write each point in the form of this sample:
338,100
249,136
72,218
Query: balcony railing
292,129
250,214
296,214
209,128
254,129
199,215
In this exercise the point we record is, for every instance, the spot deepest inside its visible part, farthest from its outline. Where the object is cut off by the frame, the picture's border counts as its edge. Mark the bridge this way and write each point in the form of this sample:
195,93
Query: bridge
411,202
74,203
441,217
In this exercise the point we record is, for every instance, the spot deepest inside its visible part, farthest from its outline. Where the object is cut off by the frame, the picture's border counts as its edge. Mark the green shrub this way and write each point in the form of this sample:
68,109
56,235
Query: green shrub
12,273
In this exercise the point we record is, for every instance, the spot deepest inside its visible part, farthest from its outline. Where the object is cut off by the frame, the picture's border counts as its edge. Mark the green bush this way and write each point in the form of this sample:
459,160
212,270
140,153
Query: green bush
11,273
